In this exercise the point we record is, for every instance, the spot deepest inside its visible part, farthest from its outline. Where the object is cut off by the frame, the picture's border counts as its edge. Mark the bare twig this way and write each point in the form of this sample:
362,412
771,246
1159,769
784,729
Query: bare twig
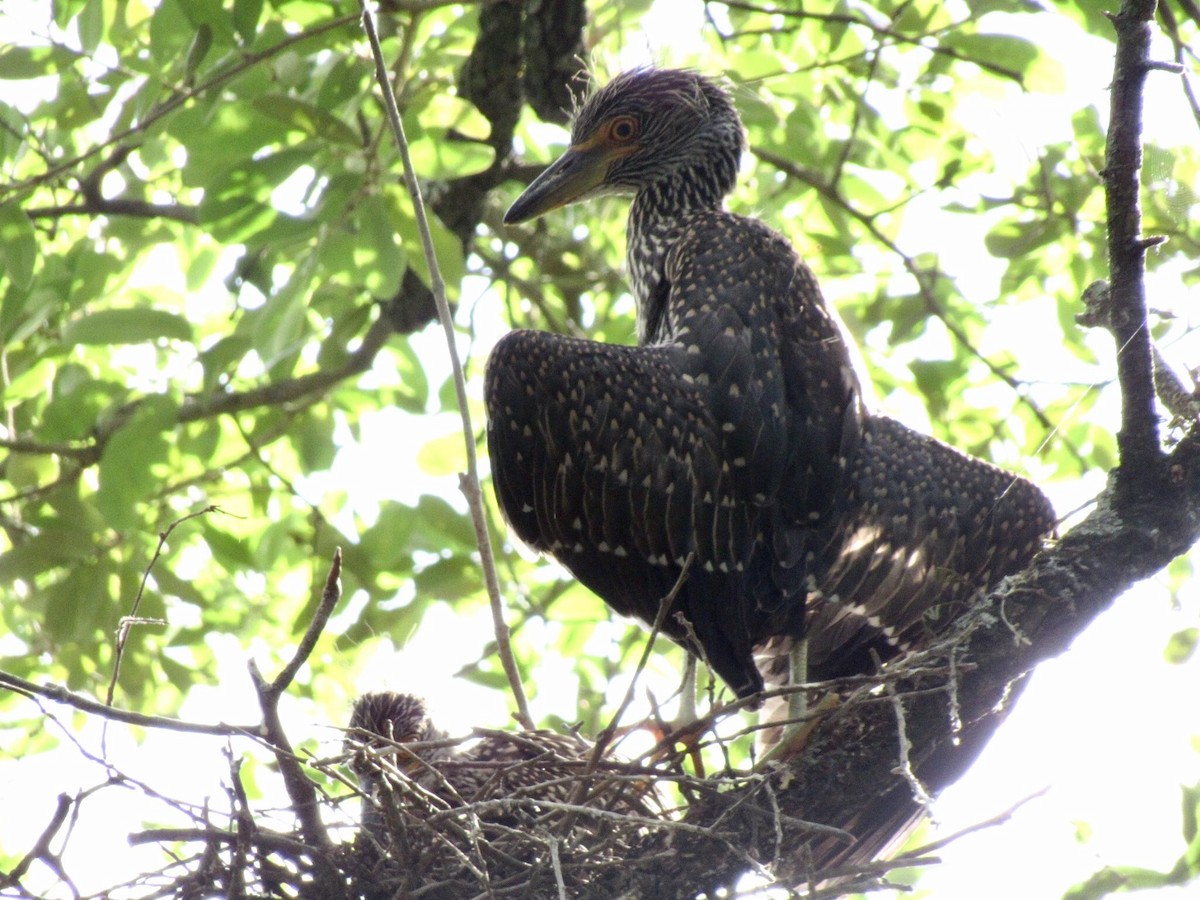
469,483
1171,27
1098,313
664,608
128,621
998,819
41,848
880,31
60,694
330,596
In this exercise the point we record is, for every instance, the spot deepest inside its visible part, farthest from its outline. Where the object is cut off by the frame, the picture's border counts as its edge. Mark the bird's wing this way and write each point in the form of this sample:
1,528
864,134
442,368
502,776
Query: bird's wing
923,530
604,456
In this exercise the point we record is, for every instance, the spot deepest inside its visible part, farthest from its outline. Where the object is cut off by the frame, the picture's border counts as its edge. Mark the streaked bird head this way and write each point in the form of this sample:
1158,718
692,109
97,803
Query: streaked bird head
383,718
644,127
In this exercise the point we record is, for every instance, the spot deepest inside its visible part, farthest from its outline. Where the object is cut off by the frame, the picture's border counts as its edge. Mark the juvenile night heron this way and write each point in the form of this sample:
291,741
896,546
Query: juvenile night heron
400,757
734,434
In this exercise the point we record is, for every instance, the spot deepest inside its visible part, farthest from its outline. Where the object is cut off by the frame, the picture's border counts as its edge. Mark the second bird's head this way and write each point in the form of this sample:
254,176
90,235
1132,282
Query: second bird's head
644,127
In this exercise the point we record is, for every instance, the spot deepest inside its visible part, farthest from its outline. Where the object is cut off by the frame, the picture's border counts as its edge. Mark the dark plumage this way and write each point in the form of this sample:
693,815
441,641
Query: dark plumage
734,433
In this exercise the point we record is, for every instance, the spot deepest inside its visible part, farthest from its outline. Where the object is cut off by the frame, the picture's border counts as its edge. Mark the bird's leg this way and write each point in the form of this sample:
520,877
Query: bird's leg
687,695
686,721
679,737
800,719
798,675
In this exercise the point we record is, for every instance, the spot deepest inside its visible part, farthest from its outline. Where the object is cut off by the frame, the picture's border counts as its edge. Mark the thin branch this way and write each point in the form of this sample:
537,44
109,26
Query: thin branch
41,848
266,840
198,407
1098,313
660,619
330,596
60,694
998,819
919,792
920,40
119,206
125,627
470,482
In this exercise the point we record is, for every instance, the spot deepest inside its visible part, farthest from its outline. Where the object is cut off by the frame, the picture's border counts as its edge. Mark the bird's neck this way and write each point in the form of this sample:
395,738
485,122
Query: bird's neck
657,219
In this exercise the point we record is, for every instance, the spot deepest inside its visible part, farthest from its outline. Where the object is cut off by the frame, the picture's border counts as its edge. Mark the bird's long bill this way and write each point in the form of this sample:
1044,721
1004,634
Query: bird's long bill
571,177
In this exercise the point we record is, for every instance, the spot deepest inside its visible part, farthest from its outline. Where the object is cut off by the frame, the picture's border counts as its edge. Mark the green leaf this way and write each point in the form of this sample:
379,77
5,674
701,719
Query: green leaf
1191,813
59,544
412,393
91,26
280,323
33,382
378,255
28,470
18,245
451,578
438,156
446,246
306,118
129,466
1015,54
1181,645
34,62
1009,240
127,326
246,14
313,440
444,455
443,525
232,553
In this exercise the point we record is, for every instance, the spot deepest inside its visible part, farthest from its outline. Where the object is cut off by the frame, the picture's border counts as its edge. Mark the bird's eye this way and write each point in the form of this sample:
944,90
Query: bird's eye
623,129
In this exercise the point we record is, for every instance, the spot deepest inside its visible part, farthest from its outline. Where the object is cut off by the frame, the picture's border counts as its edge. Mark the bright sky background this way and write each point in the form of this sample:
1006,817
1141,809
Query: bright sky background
1109,727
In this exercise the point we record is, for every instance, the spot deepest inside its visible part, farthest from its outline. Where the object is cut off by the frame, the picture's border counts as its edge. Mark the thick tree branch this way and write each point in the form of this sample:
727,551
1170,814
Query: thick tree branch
1138,437
300,789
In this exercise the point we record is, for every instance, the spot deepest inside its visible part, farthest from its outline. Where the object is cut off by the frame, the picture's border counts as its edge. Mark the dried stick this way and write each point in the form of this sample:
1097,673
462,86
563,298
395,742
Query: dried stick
998,819
664,608
468,483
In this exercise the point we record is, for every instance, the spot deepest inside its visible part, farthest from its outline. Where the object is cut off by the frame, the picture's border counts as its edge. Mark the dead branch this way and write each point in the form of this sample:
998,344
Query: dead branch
469,483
